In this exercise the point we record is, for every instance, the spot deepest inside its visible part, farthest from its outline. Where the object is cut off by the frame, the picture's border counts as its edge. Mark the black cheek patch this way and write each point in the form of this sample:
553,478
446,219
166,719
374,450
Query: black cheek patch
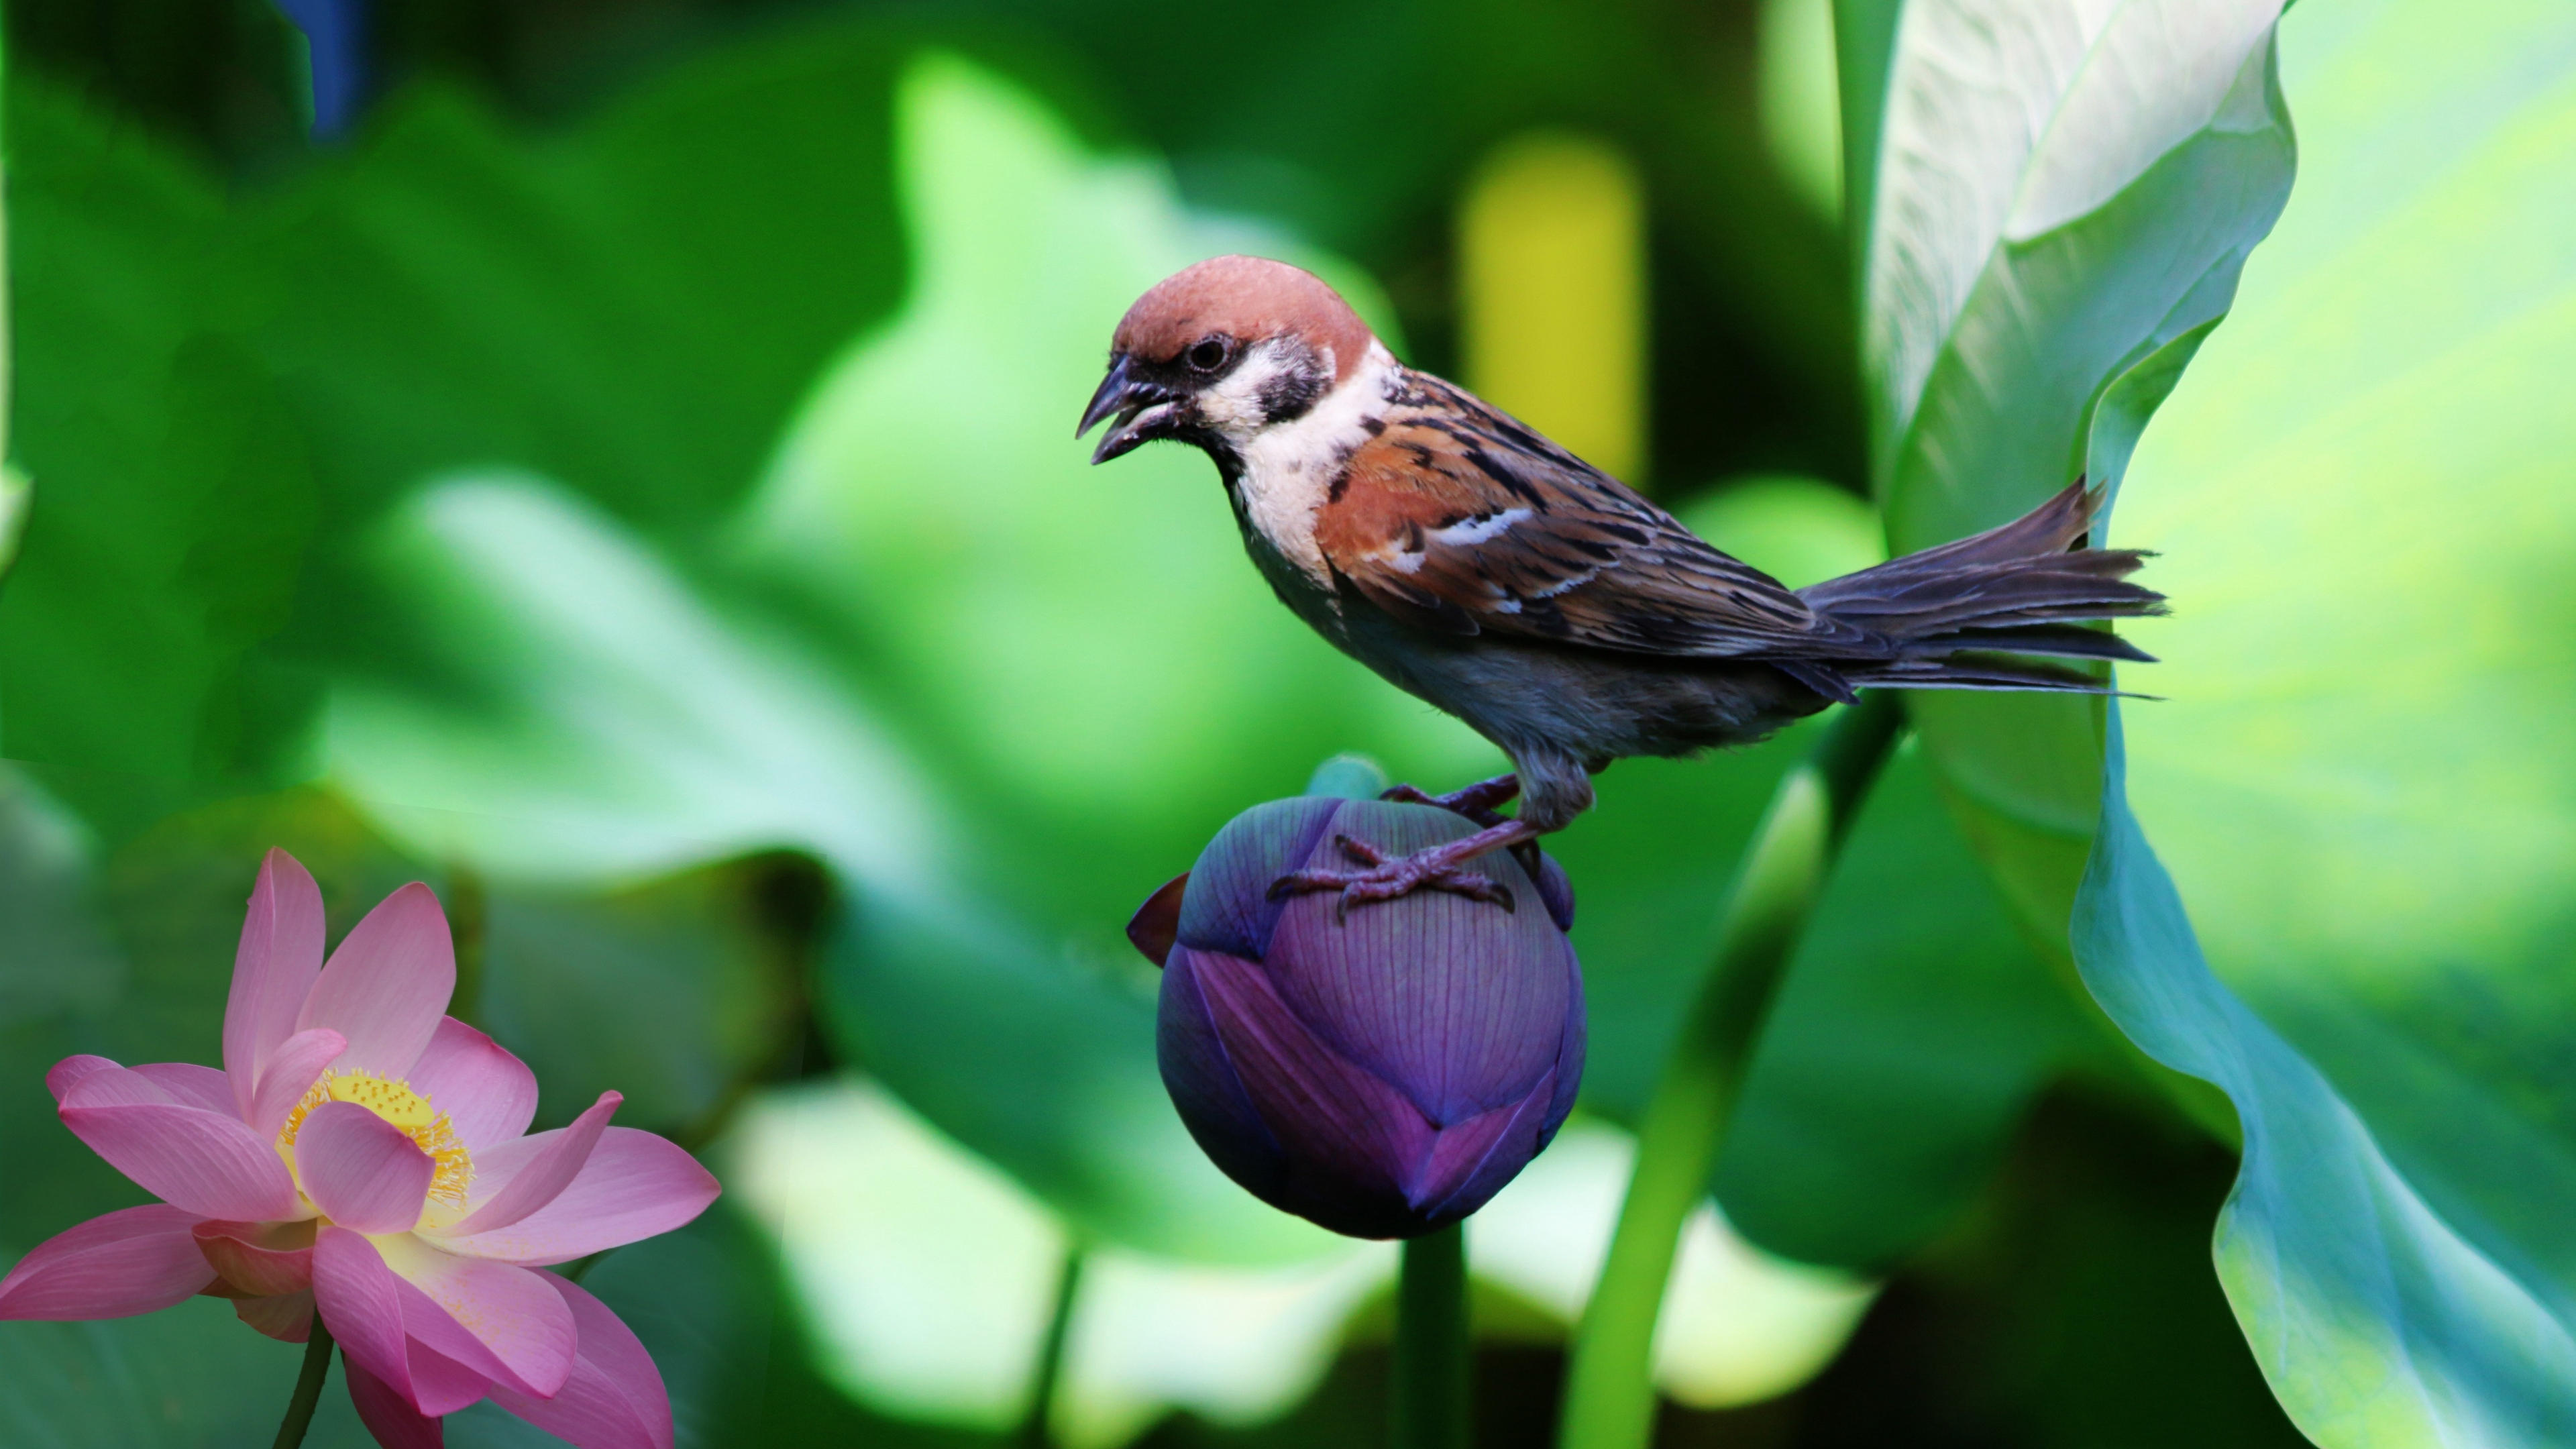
1290,394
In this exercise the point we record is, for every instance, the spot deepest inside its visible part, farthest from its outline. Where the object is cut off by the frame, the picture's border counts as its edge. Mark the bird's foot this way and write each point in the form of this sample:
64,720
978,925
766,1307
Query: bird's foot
1476,802
1386,877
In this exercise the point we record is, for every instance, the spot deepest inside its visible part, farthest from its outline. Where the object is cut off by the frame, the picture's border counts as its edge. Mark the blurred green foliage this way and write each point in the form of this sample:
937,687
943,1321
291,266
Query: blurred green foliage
1352,128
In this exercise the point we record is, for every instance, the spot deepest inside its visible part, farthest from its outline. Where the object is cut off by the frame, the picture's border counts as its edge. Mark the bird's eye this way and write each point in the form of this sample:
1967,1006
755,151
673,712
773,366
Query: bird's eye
1208,355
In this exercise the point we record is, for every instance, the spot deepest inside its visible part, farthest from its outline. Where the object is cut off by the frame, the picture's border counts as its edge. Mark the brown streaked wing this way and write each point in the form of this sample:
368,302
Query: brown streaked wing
1457,519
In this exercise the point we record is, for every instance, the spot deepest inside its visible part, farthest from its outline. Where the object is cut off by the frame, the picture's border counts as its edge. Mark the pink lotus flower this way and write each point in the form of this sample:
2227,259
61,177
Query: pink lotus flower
363,1154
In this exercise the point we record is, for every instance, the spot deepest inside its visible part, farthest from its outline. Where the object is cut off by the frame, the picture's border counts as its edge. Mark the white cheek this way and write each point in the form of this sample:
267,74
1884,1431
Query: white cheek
1233,406
1288,469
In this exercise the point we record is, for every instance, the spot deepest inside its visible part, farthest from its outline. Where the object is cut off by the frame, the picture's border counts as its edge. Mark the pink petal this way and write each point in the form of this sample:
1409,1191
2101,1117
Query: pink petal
262,1260
360,1300
439,1384
388,1415
499,1320
113,1086
291,1072
138,1260
533,1171
387,986
363,1302
488,1094
192,1084
281,949
613,1398
287,1317
205,1161
362,1171
70,1070
634,1185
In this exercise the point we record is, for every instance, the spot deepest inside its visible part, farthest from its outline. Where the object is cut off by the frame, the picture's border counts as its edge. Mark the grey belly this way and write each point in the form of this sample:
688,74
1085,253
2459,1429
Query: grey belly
1592,705
1560,712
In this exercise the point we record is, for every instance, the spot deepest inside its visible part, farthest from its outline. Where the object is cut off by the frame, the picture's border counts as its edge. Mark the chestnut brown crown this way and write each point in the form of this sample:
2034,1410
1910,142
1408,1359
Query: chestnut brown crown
1248,299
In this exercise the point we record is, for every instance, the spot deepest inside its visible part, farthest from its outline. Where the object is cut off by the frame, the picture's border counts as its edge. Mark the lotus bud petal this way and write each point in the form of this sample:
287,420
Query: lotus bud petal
1381,1071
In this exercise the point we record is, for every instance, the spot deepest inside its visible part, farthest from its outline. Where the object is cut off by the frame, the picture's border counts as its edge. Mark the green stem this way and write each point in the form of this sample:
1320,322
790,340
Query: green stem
1610,1393
1037,1430
308,1387
1430,1398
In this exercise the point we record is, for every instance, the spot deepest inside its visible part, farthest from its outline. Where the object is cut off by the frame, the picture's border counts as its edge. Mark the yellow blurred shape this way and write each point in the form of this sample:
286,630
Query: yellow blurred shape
1553,307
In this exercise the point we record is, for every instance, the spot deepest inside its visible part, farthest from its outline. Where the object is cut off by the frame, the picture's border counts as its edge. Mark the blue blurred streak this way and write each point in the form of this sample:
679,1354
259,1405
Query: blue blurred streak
335,39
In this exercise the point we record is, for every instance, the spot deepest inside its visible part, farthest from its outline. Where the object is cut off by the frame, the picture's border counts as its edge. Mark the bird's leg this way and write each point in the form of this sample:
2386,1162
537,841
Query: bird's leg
1476,802
1438,867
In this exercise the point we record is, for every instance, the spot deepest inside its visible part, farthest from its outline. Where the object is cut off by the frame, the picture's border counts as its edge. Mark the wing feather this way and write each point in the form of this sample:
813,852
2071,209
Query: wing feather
1457,520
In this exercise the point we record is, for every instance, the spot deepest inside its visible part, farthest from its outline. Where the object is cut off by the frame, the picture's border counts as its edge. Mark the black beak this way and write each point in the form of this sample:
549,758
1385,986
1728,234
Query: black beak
1145,410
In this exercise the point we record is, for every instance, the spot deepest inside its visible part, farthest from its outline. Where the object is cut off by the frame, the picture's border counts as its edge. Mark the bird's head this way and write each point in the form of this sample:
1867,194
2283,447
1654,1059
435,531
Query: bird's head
1221,352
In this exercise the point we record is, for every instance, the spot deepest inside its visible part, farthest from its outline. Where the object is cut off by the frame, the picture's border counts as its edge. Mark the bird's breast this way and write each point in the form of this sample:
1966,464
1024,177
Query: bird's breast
1276,501
1288,470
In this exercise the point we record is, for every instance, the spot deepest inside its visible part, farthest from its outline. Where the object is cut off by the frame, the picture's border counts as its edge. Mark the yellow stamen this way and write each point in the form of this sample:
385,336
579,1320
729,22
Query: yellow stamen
396,1102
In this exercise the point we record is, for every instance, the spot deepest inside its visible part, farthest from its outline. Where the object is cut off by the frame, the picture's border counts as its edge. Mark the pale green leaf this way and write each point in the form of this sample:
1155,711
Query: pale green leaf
2376,1321
2361,779
2355,771
2064,197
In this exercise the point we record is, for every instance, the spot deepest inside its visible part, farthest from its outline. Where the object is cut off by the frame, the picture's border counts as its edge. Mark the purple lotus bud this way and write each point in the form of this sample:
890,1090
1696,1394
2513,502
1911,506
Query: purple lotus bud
1382,1073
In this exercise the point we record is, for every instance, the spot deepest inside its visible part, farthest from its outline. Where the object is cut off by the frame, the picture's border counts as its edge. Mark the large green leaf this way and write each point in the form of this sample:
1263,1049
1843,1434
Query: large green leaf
179,497
189,1377
2361,781
2377,1321
222,392
677,993
2390,1248
632,308
56,955
1914,1028
2061,202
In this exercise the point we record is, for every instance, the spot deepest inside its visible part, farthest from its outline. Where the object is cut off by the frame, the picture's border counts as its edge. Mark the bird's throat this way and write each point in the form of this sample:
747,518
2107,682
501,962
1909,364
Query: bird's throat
1289,468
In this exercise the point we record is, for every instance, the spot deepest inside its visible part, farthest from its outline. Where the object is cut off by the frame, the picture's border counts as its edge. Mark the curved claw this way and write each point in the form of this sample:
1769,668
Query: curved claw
1360,850
1307,882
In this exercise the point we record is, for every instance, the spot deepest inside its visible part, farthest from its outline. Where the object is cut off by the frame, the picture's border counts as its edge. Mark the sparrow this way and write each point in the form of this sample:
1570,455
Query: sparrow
1477,565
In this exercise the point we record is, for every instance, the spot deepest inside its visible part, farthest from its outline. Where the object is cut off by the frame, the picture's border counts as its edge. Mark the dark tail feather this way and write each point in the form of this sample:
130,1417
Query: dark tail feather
1974,671
2051,528
1954,614
2064,641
